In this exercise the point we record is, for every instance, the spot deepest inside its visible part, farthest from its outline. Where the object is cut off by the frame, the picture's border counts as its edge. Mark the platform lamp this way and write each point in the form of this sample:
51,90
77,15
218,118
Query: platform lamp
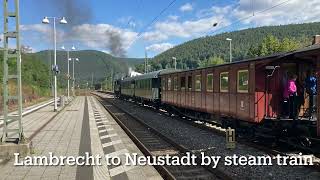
55,68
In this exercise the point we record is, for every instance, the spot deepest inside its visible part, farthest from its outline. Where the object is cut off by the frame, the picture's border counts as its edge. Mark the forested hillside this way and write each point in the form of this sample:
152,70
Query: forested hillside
36,71
35,76
96,64
90,61
194,53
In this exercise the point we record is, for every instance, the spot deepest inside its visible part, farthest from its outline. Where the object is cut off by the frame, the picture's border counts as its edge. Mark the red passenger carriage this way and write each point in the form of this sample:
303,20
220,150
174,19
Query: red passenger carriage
246,93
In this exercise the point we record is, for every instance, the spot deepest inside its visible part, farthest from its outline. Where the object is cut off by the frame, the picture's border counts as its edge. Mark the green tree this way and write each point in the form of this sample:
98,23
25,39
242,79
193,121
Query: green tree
214,60
288,45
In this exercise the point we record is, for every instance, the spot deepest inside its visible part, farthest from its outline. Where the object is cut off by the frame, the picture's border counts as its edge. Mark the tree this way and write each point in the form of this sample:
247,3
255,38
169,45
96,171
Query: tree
271,45
214,60
288,45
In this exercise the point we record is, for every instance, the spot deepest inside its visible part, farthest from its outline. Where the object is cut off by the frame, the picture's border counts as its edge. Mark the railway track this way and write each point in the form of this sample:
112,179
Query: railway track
204,130
153,143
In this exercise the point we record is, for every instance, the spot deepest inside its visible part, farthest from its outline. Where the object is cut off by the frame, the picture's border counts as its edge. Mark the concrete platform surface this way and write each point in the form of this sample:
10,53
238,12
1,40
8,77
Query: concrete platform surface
84,126
7,150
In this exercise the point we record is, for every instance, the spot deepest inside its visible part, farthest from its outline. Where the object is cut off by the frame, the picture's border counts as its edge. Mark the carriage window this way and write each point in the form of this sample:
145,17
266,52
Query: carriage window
155,83
145,84
209,82
183,83
243,81
224,82
175,83
198,82
163,83
169,84
189,83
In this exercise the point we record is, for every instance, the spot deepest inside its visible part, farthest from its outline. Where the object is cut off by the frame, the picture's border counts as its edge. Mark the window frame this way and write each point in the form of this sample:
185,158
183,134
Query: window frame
209,90
197,81
189,83
175,83
238,78
182,88
169,84
164,83
221,73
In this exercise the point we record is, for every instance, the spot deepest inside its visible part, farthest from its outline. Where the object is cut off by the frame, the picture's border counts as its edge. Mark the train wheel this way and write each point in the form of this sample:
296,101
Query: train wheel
305,141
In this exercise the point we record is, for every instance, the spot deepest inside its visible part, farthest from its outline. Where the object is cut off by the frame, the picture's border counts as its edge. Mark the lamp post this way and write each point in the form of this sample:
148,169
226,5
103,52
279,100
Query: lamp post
77,59
175,62
68,75
230,40
55,67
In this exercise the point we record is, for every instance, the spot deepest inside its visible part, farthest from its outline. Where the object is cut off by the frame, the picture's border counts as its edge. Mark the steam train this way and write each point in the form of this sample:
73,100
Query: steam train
245,95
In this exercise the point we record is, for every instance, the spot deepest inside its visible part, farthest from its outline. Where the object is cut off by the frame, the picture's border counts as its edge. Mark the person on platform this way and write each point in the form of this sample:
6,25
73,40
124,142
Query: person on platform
311,89
285,103
292,93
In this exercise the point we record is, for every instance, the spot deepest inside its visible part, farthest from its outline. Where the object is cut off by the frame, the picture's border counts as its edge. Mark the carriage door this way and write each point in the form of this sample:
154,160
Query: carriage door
318,96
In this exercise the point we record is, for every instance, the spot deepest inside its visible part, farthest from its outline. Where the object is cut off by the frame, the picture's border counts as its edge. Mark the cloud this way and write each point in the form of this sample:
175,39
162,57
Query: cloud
118,40
129,21
172,27
214,10
186,7
105,36
173,17
158,48
154,36
187,29
42,32
96,36
125,20
294,11
42,28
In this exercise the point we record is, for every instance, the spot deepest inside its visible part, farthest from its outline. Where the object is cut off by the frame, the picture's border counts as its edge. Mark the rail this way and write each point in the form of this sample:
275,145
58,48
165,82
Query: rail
217,173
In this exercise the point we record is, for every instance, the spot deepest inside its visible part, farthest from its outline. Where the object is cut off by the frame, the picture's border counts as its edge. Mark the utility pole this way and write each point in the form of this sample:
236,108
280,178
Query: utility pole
68,90
175,62
230,53
145,61
16,133
91,80
73,88
73,80
68,75
112,80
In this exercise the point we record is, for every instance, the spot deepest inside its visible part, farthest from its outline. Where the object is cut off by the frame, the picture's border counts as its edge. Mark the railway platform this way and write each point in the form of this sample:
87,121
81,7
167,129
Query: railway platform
83,126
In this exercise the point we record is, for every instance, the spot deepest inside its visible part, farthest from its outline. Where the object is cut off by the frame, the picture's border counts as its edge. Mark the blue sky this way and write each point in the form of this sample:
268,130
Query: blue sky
113,26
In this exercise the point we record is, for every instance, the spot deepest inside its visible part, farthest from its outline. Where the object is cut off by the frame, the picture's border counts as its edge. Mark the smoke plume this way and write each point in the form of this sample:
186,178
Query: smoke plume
115,44
75,11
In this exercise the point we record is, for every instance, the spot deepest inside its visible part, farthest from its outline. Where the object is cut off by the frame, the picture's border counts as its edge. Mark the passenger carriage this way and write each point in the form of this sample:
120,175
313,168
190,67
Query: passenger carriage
144,88
127,87
246,93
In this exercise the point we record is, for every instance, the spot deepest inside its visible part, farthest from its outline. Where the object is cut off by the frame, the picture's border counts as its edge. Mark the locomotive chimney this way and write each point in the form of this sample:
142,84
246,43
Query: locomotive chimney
316,39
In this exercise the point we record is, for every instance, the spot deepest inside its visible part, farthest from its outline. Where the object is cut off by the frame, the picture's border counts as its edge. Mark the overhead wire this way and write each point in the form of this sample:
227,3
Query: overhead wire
138,10
155,19
248,17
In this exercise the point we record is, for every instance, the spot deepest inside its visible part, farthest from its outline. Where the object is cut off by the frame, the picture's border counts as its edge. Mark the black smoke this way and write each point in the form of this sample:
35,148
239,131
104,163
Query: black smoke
76,11
115,43
79,12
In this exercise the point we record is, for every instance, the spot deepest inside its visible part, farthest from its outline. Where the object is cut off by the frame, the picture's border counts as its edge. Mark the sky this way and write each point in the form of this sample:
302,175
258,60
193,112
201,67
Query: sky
129,27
